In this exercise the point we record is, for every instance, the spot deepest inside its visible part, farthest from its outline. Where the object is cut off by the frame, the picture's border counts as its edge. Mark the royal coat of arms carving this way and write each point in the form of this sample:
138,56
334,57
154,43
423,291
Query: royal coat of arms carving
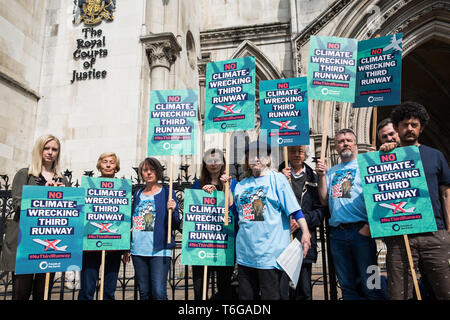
92,12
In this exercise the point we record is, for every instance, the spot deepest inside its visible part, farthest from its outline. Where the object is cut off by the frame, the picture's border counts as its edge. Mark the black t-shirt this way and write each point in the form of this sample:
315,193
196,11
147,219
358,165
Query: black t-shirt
437,173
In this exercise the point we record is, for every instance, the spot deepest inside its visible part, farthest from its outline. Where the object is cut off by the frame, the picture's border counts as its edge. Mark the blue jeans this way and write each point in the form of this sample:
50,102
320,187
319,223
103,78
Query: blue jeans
151,276
352,254
89,274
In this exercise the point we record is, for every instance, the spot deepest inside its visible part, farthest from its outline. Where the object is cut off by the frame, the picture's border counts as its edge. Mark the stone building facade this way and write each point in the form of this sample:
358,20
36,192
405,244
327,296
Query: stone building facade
90,85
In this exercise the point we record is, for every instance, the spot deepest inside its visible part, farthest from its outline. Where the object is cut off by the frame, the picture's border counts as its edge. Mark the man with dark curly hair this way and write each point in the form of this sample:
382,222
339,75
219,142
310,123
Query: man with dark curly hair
432,249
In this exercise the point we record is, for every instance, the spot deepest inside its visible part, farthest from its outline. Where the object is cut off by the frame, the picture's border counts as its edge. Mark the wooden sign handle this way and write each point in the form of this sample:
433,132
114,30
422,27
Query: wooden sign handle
374,120
286,160
411,266
227,173
47,282
326,117
169,218
102,275
286,165
374,127
205,282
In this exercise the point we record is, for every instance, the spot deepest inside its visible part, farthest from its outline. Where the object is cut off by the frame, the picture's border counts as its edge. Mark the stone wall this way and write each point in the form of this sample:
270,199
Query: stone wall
21,42
91,116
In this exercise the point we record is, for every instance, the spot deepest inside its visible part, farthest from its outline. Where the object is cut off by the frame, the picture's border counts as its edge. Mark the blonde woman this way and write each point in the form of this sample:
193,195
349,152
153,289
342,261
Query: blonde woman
43,171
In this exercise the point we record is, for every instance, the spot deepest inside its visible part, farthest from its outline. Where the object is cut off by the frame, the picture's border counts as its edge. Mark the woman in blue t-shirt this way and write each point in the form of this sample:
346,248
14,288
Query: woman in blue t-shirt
212,178
150,251
265,201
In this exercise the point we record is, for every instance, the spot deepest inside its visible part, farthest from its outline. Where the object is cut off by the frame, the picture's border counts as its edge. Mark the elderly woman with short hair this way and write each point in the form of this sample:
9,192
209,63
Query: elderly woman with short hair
108,164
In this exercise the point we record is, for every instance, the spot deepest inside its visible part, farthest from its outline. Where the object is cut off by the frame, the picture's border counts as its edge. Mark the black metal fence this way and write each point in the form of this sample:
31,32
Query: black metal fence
180,281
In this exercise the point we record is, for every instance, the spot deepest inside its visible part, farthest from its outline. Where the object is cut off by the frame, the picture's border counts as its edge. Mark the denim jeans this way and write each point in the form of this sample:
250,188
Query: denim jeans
151,276
352,254
89,274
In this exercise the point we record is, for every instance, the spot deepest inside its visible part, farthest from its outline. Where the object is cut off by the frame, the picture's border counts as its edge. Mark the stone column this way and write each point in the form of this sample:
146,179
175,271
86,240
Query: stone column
162,50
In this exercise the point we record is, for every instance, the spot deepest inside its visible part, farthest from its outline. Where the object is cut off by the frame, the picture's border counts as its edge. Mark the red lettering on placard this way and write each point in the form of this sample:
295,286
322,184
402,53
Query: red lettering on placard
107,184
55,195
388,157
230,66
376,51
207,200
332,45
173,98
283,85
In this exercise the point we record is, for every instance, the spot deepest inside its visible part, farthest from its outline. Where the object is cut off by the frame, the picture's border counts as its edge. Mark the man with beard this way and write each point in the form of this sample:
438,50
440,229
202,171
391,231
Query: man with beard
432,249
389,139
352,248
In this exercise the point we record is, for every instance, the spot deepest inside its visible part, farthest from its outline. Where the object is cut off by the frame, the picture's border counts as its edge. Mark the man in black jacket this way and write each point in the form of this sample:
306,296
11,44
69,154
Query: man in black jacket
304,183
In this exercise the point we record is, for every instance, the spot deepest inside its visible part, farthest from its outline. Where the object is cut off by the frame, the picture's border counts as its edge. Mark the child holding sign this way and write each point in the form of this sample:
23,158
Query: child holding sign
43,171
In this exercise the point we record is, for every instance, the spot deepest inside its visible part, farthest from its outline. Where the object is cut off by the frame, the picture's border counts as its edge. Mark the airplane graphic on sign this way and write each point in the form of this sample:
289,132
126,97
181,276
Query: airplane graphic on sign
228,108
397,207
50,244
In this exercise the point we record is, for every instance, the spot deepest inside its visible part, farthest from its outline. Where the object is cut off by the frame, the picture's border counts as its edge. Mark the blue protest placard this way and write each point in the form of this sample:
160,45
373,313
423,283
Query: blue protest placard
108,213
206,239
173,122
396,192
332,68
230,95
379,71
284,111
50,230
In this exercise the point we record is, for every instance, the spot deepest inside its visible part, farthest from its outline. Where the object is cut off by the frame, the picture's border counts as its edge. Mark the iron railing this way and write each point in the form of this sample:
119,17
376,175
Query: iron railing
180,279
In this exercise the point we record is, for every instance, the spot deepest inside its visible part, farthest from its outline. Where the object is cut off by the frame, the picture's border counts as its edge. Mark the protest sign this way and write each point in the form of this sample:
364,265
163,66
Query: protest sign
396,193
332,68
379,71
331,74
173,122
107,213
230,102
284,111
50,230
206,239
230,95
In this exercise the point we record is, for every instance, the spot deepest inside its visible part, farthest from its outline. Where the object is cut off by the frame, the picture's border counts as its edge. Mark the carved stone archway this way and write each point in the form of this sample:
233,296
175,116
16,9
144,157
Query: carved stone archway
419,21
